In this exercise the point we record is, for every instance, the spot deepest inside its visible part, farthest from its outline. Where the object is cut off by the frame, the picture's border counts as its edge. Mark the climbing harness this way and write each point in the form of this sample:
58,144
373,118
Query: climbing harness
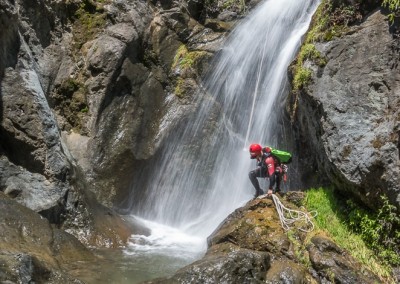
289,216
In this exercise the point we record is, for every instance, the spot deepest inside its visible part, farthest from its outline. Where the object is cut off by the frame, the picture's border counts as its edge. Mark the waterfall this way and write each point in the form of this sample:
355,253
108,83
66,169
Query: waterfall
201,173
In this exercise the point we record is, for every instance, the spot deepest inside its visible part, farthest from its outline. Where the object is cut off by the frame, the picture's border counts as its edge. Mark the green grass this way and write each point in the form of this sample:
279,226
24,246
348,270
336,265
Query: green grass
394,8
331,219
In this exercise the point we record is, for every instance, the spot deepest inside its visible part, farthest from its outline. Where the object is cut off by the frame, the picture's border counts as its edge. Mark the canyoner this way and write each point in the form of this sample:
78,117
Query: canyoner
271,164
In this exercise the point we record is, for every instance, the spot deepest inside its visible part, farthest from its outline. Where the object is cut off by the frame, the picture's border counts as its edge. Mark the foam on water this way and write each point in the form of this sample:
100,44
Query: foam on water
165,240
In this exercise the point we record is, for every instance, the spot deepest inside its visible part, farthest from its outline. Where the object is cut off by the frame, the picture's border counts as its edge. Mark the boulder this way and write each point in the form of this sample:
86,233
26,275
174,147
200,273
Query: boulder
32,251
349,115
335,265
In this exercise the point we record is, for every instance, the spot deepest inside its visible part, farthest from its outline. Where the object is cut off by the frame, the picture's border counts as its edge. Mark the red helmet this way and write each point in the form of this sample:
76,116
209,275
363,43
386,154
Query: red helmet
255,150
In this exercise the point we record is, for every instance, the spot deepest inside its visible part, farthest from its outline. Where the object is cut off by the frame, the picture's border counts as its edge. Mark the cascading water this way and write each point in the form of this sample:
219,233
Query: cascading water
200,176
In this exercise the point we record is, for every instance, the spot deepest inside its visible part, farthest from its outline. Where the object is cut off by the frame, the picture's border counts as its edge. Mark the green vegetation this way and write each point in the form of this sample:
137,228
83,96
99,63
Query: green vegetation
394,8
301,78
299,248
303,75
186,59
381,230
70,101
85,109
89,19
308,51
371,238
320,23
179,88
216,6
69,87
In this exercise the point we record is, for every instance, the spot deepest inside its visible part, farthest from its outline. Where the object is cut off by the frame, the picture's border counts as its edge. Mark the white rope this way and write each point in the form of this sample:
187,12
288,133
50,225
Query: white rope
289,216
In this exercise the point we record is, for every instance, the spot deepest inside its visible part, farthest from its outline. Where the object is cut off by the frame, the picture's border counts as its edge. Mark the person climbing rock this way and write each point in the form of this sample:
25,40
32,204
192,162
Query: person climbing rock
268,166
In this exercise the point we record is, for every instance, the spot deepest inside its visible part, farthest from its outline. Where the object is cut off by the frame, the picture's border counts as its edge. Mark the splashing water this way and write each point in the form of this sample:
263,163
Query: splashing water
201,174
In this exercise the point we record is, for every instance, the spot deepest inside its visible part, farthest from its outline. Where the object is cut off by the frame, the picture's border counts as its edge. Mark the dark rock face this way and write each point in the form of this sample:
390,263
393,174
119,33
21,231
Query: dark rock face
349,114
335,265
87,96
38,97
31,250
238,266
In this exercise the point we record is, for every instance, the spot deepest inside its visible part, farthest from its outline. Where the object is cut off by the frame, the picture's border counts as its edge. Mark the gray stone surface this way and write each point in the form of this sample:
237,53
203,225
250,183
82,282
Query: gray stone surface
31,250
350,114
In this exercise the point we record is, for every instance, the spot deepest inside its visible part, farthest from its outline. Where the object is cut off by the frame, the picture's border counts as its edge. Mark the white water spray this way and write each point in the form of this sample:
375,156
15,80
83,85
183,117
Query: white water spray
201,175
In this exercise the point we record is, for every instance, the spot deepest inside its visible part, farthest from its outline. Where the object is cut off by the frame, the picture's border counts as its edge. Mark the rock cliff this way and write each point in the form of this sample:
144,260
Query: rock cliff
88,91
349,112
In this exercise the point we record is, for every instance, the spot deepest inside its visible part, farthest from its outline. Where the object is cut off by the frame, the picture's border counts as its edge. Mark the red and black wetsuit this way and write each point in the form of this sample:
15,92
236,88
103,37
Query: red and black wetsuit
267,166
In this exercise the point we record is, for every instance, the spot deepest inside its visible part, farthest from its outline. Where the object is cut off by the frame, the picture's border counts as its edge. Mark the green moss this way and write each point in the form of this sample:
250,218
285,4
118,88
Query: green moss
301,75
234,4
301,78
299,248
69,87
185,59
89,19
215,6
179,88
320,22
85,109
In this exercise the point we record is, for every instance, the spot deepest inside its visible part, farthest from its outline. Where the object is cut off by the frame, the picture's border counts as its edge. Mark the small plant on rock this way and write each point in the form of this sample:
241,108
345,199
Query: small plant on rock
394,8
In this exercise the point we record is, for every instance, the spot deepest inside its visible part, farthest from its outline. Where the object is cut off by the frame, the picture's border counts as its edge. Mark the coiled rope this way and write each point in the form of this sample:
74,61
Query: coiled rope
289,216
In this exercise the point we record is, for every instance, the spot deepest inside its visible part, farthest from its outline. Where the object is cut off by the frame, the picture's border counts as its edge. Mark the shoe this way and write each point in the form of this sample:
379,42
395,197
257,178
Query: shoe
258,193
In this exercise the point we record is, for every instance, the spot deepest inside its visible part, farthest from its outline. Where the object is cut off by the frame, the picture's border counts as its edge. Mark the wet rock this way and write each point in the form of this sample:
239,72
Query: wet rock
349,114
31,250
239,266
295,197
255,226
336,265
30,189
287,271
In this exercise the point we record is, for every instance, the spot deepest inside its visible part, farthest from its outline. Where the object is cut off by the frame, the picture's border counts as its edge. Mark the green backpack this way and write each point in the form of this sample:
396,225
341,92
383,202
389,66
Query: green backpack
284,157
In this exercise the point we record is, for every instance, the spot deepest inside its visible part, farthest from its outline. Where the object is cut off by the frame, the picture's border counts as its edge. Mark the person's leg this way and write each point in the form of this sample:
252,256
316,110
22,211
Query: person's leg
271,184
253,175
278,181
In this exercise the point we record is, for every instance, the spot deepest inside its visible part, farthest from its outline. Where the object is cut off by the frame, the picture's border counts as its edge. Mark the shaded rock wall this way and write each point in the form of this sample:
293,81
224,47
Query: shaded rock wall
31,250
349,114
88,94
37,168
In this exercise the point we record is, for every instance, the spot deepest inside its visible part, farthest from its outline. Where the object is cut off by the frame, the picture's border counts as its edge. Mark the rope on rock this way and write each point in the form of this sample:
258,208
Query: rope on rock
289,216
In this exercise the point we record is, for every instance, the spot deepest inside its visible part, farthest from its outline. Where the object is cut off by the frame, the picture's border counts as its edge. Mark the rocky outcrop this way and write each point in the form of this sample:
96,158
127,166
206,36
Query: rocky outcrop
349,114
32,251
37,168
250,246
